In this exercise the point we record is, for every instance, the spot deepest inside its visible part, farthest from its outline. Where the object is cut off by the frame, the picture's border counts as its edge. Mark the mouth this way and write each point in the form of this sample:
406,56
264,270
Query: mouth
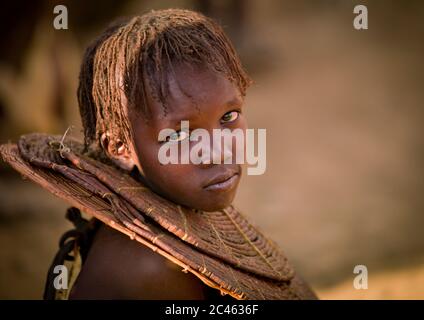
223,182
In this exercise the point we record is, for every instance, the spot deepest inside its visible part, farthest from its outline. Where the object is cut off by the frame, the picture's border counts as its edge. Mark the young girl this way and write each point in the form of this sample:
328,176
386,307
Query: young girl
139,77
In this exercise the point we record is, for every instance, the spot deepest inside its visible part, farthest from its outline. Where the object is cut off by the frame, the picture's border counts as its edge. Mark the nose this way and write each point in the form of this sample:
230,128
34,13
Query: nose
217,150
221,153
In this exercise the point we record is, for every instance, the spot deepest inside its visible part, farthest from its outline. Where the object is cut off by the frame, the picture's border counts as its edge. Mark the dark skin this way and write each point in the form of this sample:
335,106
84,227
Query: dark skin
209,101
120,268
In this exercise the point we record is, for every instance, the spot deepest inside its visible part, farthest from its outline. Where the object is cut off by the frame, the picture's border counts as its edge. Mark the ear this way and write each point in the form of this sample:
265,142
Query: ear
117,151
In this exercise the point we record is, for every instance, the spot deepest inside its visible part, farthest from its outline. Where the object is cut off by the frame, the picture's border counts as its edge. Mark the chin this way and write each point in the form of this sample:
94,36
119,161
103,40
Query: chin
216,205
203,201
214,208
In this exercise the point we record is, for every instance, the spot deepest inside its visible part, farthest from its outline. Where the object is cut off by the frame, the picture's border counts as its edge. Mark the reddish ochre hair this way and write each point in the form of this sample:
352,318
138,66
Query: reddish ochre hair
136,55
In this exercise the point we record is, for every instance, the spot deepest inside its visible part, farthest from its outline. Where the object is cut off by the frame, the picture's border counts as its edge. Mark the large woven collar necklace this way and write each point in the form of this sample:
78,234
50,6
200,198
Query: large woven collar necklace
221,248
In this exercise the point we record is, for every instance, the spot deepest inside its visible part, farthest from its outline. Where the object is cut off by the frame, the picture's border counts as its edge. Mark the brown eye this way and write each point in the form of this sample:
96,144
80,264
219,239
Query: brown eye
230,116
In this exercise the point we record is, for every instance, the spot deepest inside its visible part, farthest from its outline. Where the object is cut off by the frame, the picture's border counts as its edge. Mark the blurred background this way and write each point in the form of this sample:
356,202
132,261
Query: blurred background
344,116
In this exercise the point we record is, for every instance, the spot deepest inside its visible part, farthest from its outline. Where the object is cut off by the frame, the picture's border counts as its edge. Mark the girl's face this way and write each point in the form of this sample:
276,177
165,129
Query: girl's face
209,101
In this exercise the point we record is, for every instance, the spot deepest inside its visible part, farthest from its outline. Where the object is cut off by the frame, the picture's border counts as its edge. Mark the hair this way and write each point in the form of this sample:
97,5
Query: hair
135,55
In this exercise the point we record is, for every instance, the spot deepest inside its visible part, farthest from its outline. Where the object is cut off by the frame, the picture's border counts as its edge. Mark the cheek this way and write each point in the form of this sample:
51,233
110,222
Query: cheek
240,124
170,176
179,176
148,158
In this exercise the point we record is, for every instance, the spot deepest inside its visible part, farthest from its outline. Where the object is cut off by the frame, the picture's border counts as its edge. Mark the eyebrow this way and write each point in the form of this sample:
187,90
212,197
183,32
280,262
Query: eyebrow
176,121
236,101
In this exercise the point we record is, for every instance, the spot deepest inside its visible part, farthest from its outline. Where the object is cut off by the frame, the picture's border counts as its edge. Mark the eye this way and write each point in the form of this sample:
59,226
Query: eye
177,136
230,116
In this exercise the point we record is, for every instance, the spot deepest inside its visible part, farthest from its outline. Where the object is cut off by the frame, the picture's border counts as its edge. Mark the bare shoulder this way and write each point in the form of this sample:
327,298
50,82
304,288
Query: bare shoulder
120,268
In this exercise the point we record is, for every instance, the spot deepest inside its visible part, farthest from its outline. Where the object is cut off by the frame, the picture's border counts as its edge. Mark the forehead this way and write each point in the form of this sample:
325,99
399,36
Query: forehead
195,92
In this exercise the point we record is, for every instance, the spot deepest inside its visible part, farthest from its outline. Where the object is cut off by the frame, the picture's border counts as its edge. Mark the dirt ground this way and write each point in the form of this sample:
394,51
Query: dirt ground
343,187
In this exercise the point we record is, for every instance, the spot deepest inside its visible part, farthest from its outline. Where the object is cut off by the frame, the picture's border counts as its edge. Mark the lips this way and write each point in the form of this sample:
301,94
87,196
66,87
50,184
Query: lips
223,181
